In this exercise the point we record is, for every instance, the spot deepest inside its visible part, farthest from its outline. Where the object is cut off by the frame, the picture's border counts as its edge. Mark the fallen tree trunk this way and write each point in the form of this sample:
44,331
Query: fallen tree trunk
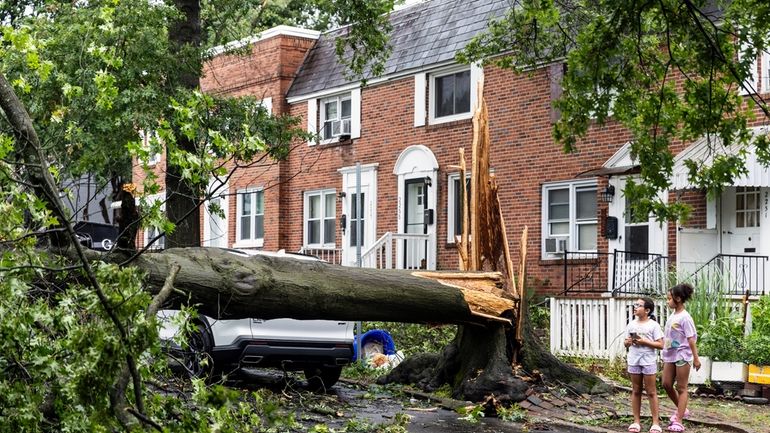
229,286
477,364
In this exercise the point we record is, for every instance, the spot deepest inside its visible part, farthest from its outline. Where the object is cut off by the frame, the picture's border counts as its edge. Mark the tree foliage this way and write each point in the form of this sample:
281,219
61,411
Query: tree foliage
669,71
77,344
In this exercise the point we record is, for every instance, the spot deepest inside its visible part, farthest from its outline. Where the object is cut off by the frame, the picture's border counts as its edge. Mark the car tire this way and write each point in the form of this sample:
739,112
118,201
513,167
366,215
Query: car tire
322,378
197,359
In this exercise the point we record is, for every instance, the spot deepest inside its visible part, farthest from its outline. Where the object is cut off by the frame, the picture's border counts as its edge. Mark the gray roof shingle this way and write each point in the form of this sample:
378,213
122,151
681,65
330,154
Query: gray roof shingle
423,34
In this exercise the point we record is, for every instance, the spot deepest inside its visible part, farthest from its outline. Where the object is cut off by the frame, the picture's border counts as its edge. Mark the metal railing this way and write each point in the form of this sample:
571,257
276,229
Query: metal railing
632,272
636,272
398,251
733,274
585,272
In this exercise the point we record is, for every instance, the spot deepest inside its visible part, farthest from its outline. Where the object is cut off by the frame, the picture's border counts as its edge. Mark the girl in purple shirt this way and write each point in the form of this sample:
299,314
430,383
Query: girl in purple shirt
679,352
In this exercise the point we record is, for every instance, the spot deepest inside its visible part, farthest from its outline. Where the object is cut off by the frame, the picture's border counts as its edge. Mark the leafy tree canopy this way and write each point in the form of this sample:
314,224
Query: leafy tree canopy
669,71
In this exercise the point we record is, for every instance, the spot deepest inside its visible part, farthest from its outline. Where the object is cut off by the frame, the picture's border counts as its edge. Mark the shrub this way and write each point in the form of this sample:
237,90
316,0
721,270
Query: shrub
758,349
722,340
758,342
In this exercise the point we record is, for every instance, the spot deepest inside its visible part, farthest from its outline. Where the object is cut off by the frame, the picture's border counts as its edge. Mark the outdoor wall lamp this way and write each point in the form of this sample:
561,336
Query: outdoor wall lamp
608,194
428,181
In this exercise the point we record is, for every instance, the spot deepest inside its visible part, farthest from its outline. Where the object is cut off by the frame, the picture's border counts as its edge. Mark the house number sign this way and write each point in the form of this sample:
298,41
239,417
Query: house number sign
767,199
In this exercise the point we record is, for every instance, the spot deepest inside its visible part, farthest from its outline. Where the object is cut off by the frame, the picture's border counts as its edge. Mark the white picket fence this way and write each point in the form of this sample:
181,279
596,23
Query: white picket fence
595,327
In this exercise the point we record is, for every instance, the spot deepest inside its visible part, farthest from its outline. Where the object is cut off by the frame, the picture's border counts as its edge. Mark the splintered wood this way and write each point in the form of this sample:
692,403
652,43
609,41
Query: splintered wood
490,242
482,292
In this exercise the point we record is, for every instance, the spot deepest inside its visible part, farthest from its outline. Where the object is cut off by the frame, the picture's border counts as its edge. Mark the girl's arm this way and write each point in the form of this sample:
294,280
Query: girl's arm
694,349
655,344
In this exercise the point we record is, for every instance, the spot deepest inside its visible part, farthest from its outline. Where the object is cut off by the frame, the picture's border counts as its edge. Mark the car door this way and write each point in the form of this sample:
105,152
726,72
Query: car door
289,330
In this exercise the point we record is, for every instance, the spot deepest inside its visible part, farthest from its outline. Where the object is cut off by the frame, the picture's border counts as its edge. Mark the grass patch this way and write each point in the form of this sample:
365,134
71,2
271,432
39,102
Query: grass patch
412,338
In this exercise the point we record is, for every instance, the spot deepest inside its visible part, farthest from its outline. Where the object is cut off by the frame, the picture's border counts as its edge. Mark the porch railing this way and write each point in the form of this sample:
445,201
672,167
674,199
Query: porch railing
642,273
632,272
585,272
733,274
398,251
331,255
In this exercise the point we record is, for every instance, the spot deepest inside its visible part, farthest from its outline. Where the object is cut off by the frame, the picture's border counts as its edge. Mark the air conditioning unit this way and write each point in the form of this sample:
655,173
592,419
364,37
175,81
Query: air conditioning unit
555,245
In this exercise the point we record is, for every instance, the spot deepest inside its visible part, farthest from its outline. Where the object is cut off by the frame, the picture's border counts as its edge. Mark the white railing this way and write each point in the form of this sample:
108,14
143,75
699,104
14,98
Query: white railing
331,255
398,251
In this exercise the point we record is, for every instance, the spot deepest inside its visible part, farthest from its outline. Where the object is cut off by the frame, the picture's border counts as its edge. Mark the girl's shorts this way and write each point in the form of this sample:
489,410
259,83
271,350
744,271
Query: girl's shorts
643,369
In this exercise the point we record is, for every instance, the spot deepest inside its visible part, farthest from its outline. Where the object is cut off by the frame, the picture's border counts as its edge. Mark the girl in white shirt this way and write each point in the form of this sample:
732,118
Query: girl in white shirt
643,336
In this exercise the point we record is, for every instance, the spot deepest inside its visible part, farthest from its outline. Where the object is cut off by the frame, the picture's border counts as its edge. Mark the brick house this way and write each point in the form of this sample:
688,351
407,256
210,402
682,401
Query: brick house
383,173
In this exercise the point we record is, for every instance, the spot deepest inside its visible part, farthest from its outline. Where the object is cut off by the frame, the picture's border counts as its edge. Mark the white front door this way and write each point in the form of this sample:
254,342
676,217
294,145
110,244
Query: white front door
417,170
741,213
744,210
215,233
412,251
357,208
636,256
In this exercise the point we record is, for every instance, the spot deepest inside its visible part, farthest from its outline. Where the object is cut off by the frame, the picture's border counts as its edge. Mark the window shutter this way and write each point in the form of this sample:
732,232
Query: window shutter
419,99
477,75
312,118
355,113
765,72
268,104
711,213
556,75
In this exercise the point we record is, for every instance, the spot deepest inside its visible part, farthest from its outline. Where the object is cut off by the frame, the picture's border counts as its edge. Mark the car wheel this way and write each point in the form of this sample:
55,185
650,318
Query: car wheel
322,378
197,358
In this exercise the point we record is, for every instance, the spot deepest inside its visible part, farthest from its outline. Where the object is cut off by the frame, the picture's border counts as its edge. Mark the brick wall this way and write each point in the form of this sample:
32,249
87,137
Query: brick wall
523,155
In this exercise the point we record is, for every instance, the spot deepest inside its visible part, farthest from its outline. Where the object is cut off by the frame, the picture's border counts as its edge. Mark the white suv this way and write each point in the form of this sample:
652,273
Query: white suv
319,347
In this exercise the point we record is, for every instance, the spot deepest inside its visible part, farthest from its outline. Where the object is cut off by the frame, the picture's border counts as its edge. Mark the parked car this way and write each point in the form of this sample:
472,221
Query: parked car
320,348
97,236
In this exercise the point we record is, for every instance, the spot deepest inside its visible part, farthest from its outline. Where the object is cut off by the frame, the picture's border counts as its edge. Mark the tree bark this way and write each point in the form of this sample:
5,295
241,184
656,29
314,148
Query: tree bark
182,201
227,285
478,363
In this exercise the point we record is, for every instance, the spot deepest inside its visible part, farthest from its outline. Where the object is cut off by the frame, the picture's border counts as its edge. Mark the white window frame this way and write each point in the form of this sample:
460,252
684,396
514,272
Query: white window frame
325,243
452,197
338,99
151,232
432,94
572,239
253,241
145,137
744,211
